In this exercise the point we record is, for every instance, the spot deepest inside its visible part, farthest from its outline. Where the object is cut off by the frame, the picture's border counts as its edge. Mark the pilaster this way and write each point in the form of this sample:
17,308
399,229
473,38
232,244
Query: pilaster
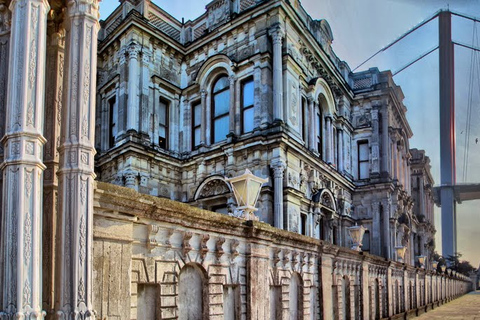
76,175
21,292
203,129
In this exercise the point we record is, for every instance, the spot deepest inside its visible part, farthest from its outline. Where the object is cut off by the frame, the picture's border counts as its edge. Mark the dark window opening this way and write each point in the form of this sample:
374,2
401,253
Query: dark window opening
304,224
319,132
196,124
111,127
163,125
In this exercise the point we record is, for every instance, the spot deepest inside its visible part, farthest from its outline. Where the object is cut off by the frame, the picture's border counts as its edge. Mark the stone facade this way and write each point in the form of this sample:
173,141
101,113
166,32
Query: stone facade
334,144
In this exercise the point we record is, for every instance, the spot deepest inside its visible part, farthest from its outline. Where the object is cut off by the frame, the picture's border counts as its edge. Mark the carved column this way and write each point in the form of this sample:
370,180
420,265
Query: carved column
374,143
312,123
278,170
53,109
277,34
203,129
76,175
385,148
341,166
329,140
144,114
5,19
232,109
133,82
21,290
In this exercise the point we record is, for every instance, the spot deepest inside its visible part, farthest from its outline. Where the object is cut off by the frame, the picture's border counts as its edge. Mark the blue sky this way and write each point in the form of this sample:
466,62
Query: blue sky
360,28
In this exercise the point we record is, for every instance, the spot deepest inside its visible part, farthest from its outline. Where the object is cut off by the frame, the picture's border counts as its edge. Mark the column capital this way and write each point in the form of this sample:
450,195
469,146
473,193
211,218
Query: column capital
133,49
84,7
232,78
203,93
278,167
277,33
5,17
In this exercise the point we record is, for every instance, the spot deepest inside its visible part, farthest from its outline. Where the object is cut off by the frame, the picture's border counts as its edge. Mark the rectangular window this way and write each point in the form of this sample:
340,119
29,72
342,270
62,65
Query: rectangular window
111,122
363,160
304,224
196,124
163,116
247,106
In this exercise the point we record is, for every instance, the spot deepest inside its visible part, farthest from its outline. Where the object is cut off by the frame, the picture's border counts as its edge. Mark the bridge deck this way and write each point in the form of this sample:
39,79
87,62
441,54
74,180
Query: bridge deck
466,307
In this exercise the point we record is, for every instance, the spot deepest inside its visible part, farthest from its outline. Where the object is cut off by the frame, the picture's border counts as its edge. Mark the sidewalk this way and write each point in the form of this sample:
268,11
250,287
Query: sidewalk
465,307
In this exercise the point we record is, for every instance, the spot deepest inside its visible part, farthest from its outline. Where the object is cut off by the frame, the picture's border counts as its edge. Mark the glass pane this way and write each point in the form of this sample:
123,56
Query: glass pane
221,83
222,103
364,170
162,113
248,94
240,191
196,141
221,129
253,190
319,125
363,152
197,114
248,120
161,131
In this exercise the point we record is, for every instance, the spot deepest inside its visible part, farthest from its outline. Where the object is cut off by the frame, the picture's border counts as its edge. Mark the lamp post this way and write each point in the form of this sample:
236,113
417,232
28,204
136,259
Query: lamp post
246,189
356,233
400,252
421,261
443,267
449,271
435,265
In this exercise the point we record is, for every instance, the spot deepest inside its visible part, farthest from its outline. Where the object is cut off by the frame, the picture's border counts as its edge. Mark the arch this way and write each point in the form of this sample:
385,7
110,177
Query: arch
212,67
326,198
322,92
212,186
295,295
192,303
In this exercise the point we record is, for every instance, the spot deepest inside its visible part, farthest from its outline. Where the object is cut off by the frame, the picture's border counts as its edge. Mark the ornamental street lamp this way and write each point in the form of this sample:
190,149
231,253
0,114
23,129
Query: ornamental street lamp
421,261
246,189
356,233
400,252
449,271
435,265
443,267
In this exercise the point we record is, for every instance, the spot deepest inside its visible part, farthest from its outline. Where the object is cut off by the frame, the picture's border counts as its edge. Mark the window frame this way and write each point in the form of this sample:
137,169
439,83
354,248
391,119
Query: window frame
359,161
214,118
166,126
244,108
194,105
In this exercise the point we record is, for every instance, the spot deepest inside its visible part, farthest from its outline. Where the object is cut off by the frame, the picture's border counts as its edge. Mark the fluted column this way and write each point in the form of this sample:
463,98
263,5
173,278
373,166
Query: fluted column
53,108
277,34
341,156
21,290
329,140
133,103
5,19
278,170
203,129
312,122
232,109
76,175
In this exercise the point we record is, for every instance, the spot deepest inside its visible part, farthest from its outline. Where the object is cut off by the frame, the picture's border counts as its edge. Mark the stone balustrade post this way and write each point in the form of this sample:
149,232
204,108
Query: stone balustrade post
21,287
74,287
277,34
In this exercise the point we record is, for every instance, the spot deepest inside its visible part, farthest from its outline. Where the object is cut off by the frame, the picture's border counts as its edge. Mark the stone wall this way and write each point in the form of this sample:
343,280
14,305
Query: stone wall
153,257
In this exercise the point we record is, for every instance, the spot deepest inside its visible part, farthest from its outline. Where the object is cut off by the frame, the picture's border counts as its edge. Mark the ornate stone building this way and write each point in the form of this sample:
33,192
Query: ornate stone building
169,109
256,84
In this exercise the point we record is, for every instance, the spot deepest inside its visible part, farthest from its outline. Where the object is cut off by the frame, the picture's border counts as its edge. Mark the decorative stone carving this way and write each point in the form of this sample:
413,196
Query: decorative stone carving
186,247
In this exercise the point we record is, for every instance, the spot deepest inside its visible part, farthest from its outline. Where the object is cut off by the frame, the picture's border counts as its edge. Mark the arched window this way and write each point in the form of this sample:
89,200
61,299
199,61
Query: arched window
220,109
190,293
319,131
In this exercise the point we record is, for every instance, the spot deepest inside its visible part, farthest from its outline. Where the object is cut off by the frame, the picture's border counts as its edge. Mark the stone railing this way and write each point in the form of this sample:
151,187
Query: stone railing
153,256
